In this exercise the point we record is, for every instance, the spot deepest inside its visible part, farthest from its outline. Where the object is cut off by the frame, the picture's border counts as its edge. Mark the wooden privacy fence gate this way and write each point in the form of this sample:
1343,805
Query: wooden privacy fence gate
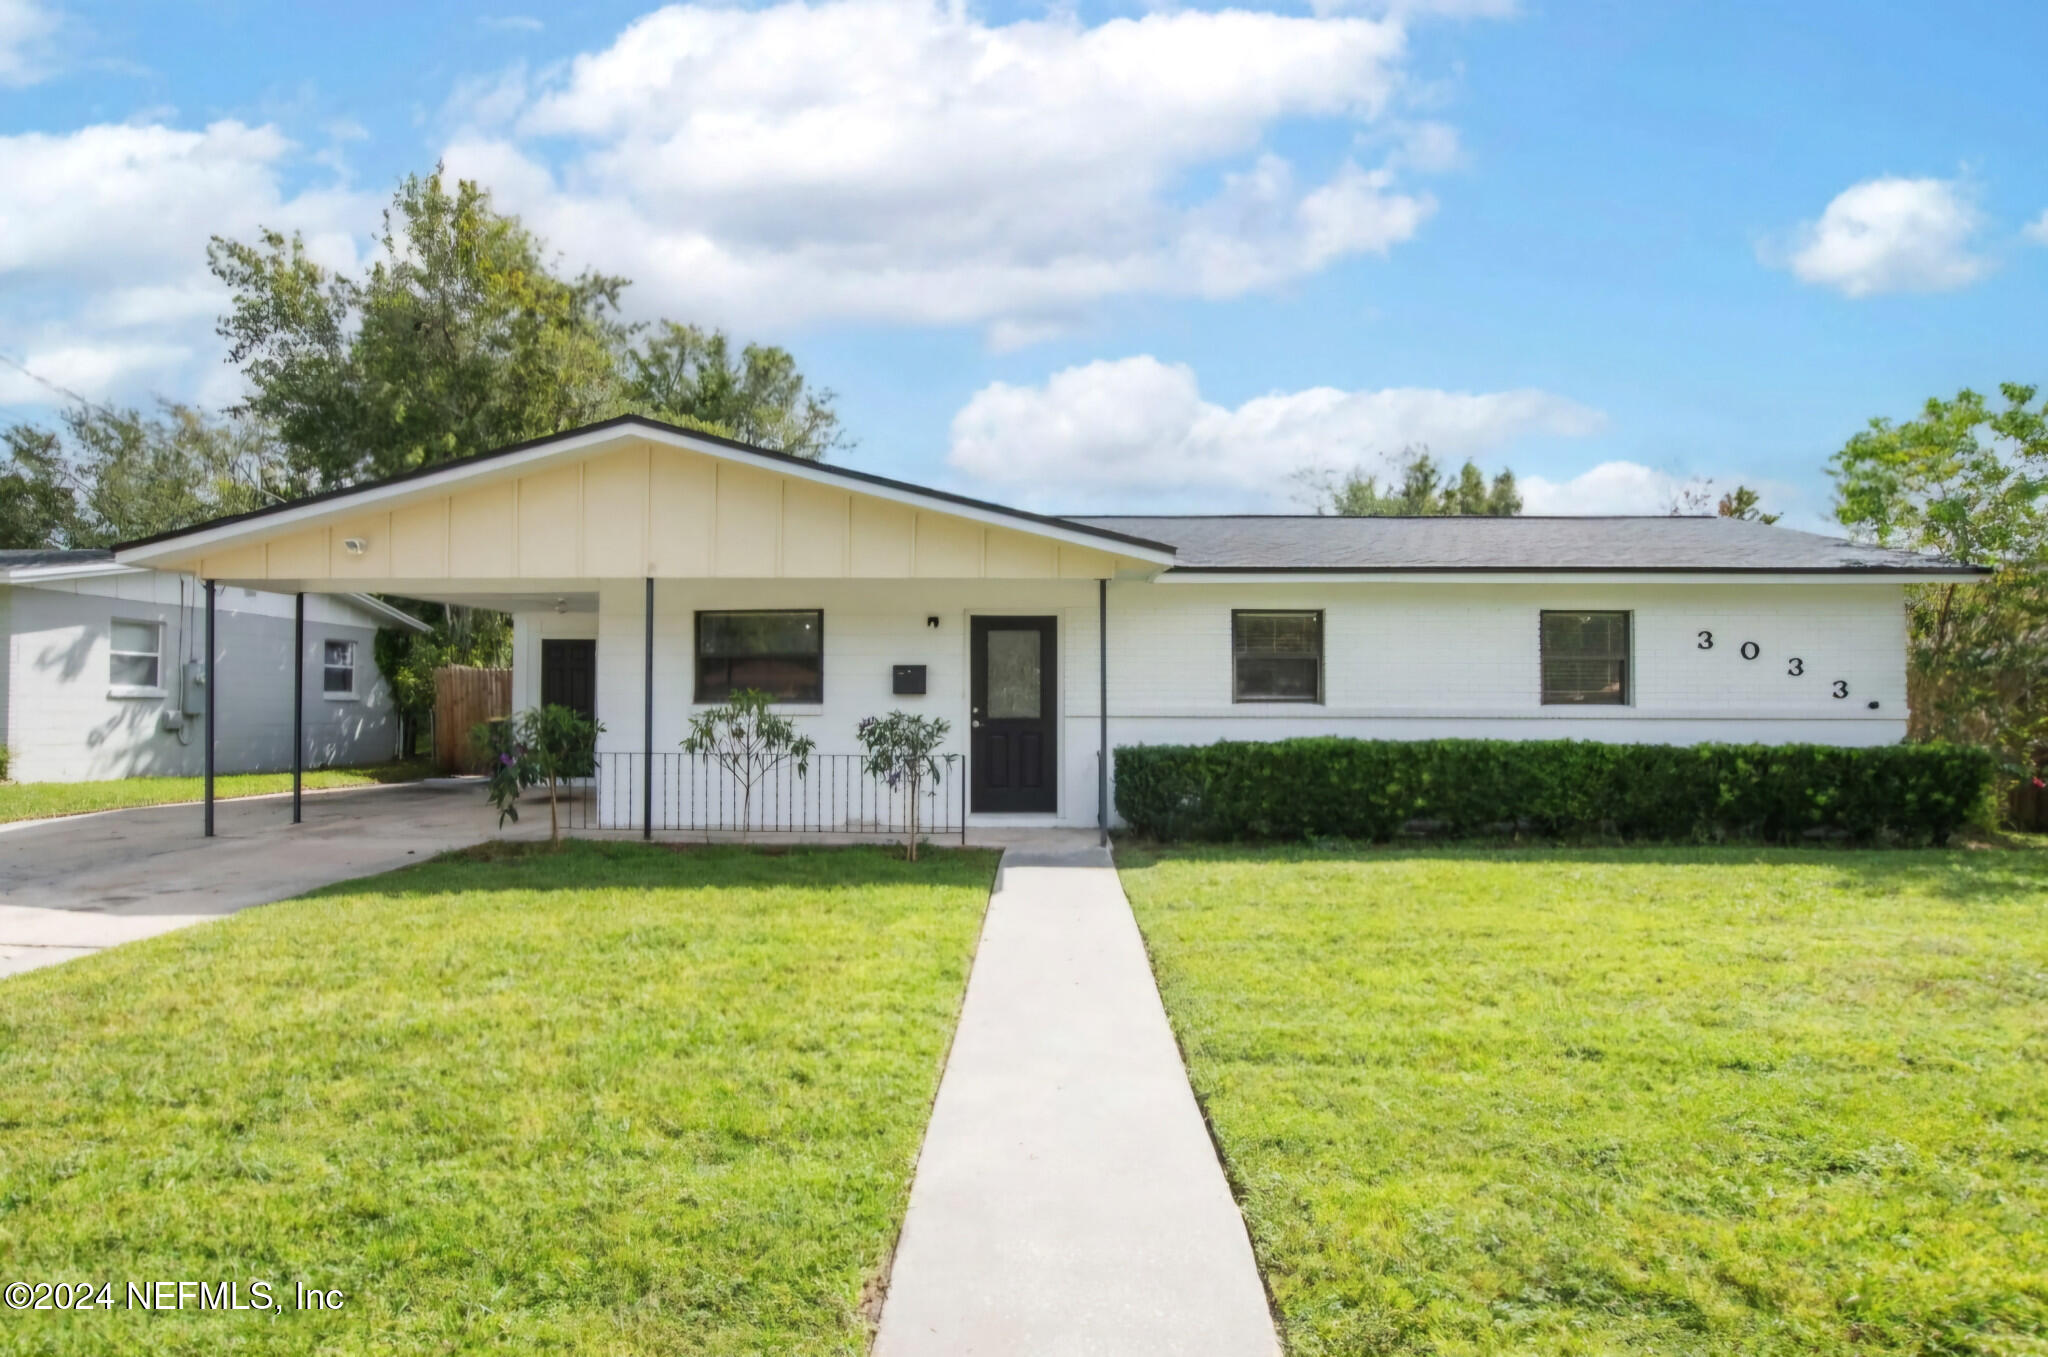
463,699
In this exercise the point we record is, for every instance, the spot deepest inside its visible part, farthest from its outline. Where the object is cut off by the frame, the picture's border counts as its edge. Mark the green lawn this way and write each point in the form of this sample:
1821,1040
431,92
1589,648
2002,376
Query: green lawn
1612,1101
34,800
618,1099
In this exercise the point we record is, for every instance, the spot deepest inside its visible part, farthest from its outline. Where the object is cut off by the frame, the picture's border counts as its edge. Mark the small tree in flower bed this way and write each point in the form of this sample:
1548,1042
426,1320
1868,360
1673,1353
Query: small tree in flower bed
543,744
902,748
747,739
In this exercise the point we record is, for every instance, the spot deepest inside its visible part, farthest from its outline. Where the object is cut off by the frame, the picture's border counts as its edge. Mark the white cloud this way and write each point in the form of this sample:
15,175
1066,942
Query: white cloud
907,160
1429,148
1621,487
87,369
133,201
25,29
1892,235
103,234
2037,230
1609,488
1116,431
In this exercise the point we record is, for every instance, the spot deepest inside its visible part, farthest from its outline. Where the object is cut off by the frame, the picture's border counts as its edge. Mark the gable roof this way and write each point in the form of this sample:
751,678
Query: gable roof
36,558
40,566
1326,544
570,441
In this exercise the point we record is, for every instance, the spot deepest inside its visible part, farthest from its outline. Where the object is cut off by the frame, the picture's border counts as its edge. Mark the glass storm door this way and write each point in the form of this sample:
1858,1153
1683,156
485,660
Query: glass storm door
1013,733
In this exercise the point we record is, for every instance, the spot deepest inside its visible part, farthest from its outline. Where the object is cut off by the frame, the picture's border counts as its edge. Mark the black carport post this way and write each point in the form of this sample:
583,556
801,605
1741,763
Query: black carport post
298,702
210,648
647,727
1102,705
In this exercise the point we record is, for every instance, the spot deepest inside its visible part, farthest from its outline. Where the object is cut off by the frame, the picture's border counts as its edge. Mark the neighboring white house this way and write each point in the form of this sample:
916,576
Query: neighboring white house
632,551
99,666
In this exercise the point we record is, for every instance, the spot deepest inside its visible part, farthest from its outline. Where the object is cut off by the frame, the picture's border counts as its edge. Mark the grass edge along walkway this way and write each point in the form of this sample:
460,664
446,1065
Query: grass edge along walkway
1691,1101
613,1098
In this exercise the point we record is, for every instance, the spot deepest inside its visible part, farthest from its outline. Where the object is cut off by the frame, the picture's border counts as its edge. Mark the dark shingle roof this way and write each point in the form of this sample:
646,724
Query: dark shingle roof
1309,543
12,560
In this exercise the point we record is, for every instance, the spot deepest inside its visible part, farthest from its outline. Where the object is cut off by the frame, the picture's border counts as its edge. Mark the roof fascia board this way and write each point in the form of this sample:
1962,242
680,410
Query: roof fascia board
36,574
372,604
1566,575
495,466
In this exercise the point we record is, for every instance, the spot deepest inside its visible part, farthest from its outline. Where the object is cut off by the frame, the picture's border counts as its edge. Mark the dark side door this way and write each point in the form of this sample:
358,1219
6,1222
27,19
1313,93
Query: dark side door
1013,744
568,675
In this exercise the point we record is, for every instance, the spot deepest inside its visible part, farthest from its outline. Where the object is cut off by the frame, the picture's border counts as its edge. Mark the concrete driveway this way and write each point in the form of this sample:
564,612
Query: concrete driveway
73,886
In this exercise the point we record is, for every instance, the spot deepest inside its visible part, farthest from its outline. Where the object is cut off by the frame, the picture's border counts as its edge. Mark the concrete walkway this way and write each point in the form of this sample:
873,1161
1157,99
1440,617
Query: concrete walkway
1068,1200
73,886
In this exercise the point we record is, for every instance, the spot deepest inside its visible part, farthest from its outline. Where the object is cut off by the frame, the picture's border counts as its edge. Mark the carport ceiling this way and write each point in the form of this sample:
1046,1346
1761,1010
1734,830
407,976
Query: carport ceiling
567,601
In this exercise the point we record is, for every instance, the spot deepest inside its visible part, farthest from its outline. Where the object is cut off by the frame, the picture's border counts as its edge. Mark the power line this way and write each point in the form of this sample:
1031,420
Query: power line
60,389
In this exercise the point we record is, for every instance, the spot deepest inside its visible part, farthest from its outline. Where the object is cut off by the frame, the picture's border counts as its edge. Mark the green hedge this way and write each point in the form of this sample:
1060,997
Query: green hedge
1385,789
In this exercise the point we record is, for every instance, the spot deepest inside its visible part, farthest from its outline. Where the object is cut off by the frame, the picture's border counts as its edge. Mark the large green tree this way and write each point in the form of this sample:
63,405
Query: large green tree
1418,489
110,475
38,492
460,338
463,336
1969,480
691,376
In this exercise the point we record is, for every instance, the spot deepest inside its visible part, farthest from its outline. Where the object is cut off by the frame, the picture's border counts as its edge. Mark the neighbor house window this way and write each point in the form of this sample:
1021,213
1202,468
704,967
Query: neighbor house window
779,653
1585,658
136,658
1276,657
338,669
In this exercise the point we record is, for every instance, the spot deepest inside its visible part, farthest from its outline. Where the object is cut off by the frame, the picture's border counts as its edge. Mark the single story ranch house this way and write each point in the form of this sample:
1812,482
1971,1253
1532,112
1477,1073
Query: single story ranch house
652,571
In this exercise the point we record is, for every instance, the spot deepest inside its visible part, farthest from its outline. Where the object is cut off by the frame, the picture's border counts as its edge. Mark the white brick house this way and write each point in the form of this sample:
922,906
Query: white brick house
651,570
97,661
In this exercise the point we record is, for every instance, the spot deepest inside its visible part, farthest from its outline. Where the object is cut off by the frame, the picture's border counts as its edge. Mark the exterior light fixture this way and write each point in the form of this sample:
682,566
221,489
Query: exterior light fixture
354,546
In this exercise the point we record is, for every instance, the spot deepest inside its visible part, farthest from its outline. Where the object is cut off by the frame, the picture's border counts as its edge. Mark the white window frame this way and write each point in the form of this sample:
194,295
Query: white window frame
1238,695
332,694
1627,660
141,690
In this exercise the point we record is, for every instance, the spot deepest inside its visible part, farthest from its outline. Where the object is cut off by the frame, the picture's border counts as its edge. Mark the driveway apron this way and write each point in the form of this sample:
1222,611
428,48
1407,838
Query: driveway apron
1068,1199
73,886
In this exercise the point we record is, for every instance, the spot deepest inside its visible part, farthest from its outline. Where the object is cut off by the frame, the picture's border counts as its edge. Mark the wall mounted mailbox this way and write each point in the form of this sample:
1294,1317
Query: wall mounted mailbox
908,680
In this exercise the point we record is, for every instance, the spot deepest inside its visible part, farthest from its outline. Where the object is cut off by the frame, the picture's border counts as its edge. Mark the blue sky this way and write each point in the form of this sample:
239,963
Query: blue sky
1144,258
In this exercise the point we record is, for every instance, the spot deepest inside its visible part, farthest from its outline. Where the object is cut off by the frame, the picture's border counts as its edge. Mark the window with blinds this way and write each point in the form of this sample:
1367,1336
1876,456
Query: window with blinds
1276,656
1585,658
338,669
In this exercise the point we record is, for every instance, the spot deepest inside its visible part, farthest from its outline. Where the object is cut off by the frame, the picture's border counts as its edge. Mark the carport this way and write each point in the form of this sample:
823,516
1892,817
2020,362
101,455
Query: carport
642,542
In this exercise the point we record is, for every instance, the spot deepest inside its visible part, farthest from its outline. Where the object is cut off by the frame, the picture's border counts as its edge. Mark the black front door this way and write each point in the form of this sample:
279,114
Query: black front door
1013,727
568,675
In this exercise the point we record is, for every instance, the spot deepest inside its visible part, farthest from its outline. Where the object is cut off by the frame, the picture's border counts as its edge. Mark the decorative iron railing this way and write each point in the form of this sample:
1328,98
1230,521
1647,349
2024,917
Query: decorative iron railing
833,795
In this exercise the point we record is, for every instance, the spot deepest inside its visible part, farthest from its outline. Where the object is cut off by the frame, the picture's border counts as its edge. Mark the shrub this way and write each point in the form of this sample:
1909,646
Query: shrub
548,744
1383,789
904,748
749,740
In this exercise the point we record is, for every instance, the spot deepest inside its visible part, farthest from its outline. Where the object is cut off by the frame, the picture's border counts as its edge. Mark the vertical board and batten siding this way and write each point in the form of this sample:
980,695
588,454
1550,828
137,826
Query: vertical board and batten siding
645,509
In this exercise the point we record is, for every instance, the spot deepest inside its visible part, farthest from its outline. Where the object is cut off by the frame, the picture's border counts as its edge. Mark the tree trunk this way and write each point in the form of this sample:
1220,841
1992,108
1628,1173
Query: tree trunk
913,817
554,820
